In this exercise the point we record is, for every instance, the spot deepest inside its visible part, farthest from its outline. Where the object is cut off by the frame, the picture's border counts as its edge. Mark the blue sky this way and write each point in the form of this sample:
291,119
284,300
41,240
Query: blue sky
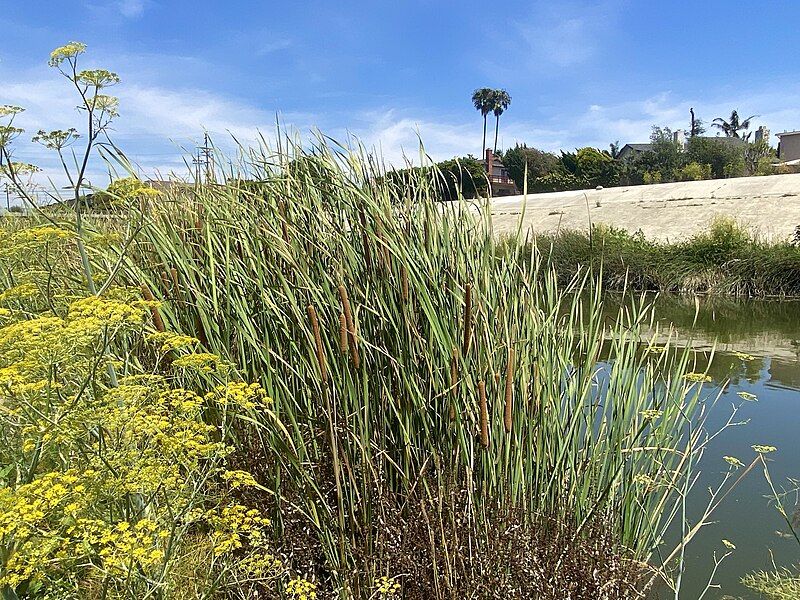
579,72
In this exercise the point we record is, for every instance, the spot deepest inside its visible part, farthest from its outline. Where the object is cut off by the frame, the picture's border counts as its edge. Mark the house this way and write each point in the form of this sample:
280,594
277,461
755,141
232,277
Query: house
788,145
631,151
496,172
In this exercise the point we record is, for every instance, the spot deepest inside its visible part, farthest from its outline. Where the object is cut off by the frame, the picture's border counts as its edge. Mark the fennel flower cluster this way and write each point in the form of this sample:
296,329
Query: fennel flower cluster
114,485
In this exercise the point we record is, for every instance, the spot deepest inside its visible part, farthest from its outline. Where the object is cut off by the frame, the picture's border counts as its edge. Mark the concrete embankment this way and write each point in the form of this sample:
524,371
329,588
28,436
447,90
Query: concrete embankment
769,206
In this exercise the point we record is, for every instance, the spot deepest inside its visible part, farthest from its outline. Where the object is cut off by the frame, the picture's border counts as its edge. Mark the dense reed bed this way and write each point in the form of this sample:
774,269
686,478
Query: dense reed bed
726,260
444,411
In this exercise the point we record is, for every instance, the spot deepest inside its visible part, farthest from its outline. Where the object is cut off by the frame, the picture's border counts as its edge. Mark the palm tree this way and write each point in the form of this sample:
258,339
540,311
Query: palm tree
733,126
482,100
500,102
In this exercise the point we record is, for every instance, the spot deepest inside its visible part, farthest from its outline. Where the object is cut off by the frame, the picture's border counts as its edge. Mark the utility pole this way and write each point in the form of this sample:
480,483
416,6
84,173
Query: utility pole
204,161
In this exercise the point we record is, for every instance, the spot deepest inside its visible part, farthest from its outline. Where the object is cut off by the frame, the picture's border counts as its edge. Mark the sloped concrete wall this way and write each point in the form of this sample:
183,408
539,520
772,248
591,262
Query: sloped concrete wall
769,206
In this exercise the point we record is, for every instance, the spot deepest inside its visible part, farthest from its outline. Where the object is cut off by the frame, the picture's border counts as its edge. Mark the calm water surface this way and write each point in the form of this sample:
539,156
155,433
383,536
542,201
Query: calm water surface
770,332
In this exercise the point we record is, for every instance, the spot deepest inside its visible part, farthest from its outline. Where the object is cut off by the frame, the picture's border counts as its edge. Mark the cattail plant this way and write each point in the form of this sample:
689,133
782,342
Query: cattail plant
158,322
343,344
404,284
284,223
176,287
352,335
389,418
508,412
320,351
453,383
484,410
467,319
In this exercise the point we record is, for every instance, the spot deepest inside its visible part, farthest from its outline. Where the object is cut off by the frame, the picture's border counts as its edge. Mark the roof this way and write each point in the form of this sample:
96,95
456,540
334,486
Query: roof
639,147
723,138
496,163
788,133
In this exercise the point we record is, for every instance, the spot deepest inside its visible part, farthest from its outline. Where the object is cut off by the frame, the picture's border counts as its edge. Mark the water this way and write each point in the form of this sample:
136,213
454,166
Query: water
769,331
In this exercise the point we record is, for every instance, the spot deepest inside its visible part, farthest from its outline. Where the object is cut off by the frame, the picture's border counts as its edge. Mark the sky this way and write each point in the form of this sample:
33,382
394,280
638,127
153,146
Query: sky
389,73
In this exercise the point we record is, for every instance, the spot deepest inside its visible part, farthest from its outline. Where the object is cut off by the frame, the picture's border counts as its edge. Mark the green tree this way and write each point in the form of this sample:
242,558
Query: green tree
592,167
733,125
501,101
757,157
725,156
483,101
693,172
537,162
696,126
669,156
466,176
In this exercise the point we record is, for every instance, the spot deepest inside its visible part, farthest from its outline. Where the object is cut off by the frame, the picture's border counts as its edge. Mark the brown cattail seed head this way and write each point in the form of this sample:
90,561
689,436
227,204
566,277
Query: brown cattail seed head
342,333
158,322
173,274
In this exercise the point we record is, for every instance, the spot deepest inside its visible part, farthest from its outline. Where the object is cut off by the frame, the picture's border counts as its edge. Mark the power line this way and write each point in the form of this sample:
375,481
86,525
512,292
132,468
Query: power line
205,158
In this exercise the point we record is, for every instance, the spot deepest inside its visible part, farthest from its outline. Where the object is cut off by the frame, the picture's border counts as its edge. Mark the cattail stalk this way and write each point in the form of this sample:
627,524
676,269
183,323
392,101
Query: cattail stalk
453,383
365,240
323,368
484,414
352,337
404,284
158,322
467,319
383,249
508,413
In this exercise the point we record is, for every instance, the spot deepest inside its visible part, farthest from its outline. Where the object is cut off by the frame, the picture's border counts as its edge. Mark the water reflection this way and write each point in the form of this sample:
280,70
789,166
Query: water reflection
730,330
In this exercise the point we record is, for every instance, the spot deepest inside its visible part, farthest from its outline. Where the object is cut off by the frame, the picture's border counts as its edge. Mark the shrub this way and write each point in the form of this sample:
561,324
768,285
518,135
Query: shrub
694,172
651,177
538,163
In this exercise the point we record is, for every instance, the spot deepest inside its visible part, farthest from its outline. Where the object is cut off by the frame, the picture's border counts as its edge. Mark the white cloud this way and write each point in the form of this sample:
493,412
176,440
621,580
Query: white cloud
131,8
561,34
157,122
105,9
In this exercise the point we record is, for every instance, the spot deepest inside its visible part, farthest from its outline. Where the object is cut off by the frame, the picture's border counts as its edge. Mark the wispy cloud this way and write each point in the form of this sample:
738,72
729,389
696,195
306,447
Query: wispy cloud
558,35
127,9
131,8
158,120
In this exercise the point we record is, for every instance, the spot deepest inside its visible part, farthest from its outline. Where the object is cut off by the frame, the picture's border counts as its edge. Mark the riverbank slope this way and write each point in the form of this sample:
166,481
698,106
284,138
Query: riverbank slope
767,206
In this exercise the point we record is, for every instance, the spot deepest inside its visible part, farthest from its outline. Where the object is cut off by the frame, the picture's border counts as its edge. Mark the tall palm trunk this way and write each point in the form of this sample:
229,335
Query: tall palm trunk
496,129
483,146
